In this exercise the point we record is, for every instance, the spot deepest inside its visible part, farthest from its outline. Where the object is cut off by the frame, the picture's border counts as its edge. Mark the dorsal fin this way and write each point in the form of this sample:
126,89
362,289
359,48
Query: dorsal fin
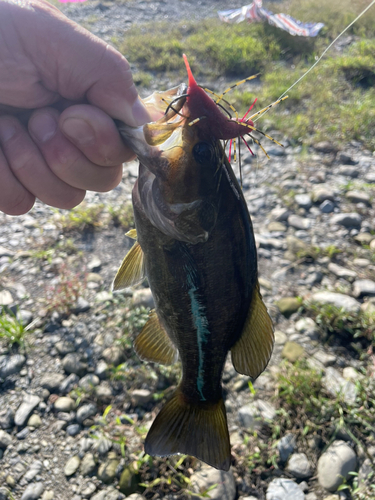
251,353
132,269
192,82
153,343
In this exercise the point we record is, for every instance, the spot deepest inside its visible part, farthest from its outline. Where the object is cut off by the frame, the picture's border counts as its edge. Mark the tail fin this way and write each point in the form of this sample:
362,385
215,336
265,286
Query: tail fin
198,429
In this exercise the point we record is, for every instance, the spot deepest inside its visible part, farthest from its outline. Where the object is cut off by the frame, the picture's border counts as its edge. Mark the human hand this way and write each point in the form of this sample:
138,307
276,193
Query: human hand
60,87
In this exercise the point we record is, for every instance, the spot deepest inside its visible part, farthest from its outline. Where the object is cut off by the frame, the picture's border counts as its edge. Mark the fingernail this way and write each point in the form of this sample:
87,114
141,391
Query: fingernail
7,131
42,127
79,131
140,113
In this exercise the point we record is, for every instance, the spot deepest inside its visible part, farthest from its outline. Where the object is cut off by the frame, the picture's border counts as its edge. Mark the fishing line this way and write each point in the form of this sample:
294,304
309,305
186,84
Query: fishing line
324,53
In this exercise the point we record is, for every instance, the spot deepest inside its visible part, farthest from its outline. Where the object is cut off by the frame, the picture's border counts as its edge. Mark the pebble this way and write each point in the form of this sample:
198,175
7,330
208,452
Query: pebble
143,298
298,222
254,415
286,446
88,464
24,316
284,489
64,404
89,381
327,207
28,404
322,193
288,305
72,465
364,287
107,470
6,298
114,355
34,469
341,272
339,300
336,385
81,306
358,197
5,439
347,219
51,381
364,238
307,326
9,365
140,397
207,477
303,200
325,358
34,421
73,429
299,466
68,383
292,351
95,264
280,337
33,491
335,464
86,411
72,364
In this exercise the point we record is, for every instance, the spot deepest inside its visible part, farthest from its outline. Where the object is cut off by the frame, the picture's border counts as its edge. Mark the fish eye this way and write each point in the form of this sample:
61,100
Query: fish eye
203,152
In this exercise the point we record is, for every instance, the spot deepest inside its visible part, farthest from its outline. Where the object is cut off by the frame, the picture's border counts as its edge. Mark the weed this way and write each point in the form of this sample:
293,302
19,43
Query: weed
122,216
12,331
63,295
84,217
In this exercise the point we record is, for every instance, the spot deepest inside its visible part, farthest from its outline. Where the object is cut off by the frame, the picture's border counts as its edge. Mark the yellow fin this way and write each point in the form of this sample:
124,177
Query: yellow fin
198,429
153,343
251,353
132,269
132,233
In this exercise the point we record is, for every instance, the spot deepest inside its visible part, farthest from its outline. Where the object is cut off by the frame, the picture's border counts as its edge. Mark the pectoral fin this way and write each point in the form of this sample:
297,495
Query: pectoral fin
153,343
132,269
251,353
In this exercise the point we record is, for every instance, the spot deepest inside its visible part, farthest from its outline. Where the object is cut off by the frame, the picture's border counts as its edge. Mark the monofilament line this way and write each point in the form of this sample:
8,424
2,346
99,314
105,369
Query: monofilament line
324,52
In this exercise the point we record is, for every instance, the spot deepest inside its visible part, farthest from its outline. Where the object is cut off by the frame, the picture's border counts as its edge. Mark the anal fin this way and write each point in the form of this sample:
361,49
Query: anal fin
153,343
199,429
251,353
132,269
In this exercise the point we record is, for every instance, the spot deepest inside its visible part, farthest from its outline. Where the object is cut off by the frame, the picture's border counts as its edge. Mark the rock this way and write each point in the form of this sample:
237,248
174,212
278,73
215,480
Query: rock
299,466
73,429
298,222
33,491
4,252
336,385
114,355
364,238
72,364
284,489
81,306
140,397
6,298
143,298
288,305
7,418
303,200
89,489
64,404
277,227
86,411
325,358
364,287
51,381
279,214
280,337
341,272
358,197
308,327
88,465
68,383
89,381
347,220
9,365
103,445
27,406
322,193
286,445
34,469
4,493
104,393
339,300
372,245
135,496
324,147
72,465
34,421
24,316
292,351
207,477
129,481
327,207
107,470
64,347
48,495
360,262
294,244
101,369
5,439
254,415
95,264
335,464
103,296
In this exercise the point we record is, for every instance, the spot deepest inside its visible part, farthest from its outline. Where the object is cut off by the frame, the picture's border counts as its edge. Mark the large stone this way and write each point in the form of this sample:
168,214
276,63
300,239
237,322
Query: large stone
72,465
299,466
28,404
222,484
339,300
358,197
284,489
9,365
364,287
347,219
288,305
33,491
335,464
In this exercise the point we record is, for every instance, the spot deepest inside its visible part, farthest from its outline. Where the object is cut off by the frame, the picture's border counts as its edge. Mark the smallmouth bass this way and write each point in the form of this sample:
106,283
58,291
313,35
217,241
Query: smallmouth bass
196,246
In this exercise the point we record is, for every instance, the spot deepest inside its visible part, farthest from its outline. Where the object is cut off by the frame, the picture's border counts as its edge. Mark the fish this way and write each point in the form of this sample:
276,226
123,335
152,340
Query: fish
195,244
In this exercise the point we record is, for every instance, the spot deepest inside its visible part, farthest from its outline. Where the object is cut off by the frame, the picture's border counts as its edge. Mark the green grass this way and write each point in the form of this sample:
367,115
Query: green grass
12,331
84,217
